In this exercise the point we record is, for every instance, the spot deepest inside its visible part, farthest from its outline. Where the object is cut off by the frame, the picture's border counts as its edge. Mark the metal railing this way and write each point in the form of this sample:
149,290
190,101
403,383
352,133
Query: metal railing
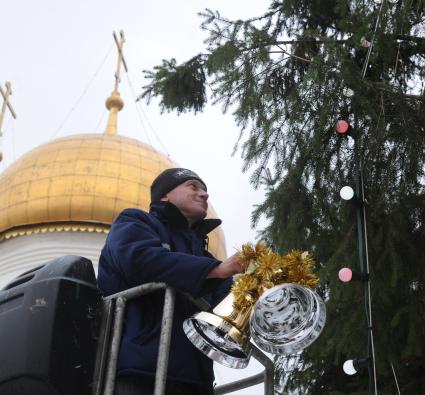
113,313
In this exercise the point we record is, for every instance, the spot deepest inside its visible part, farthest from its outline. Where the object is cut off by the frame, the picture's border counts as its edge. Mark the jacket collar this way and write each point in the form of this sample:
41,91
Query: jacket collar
169,213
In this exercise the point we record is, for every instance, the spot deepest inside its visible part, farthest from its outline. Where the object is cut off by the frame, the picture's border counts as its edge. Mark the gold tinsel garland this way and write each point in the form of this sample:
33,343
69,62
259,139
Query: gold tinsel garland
265,269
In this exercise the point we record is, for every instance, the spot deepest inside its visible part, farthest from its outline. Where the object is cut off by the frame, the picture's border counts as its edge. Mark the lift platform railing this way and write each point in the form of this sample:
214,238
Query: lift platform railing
113,313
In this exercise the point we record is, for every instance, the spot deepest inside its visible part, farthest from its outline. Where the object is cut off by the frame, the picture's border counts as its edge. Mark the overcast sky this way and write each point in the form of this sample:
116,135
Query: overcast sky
60,58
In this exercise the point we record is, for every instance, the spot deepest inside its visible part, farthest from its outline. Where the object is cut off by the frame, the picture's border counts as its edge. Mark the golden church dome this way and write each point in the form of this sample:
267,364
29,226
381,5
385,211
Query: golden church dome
81,182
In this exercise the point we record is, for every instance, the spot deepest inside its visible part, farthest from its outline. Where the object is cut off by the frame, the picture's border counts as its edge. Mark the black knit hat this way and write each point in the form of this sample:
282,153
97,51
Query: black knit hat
169,179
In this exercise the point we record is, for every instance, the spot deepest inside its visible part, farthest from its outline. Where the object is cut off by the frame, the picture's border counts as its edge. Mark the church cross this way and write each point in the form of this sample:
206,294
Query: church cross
114,103
6,104
121,59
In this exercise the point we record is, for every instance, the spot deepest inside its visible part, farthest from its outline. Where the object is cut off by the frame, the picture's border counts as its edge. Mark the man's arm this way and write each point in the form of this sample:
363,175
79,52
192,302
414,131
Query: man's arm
227,268
139,257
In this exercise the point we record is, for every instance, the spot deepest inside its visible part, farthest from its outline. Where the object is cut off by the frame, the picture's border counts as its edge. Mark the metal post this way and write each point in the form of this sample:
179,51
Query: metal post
115,343
164,344
135,292
120,298
239,384
268,371
267,376
103,345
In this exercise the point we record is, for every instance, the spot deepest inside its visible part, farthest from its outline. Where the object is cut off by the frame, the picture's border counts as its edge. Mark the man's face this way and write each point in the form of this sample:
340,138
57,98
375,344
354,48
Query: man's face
190,198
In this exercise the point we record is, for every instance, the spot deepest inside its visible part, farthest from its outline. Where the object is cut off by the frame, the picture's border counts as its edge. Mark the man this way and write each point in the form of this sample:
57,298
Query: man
165,245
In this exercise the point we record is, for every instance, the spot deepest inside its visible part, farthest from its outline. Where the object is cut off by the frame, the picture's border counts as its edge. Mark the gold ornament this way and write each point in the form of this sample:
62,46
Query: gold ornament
265,269
223,334
245,291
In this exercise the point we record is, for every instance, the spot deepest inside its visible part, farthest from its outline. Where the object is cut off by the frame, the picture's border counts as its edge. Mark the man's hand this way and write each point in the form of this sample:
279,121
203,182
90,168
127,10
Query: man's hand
228,267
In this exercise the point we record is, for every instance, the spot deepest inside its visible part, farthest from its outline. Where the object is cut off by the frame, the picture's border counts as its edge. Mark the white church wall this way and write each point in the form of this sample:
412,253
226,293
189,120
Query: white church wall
24,253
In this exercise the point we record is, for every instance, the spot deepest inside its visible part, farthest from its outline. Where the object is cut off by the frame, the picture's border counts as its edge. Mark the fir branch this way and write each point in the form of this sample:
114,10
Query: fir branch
389,89
291,55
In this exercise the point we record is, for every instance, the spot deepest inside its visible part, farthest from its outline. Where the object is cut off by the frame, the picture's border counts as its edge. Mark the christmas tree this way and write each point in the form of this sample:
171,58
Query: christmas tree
288,76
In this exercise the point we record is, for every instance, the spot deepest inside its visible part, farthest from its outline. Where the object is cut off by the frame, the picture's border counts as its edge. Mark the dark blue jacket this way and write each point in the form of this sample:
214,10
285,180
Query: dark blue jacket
160,247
